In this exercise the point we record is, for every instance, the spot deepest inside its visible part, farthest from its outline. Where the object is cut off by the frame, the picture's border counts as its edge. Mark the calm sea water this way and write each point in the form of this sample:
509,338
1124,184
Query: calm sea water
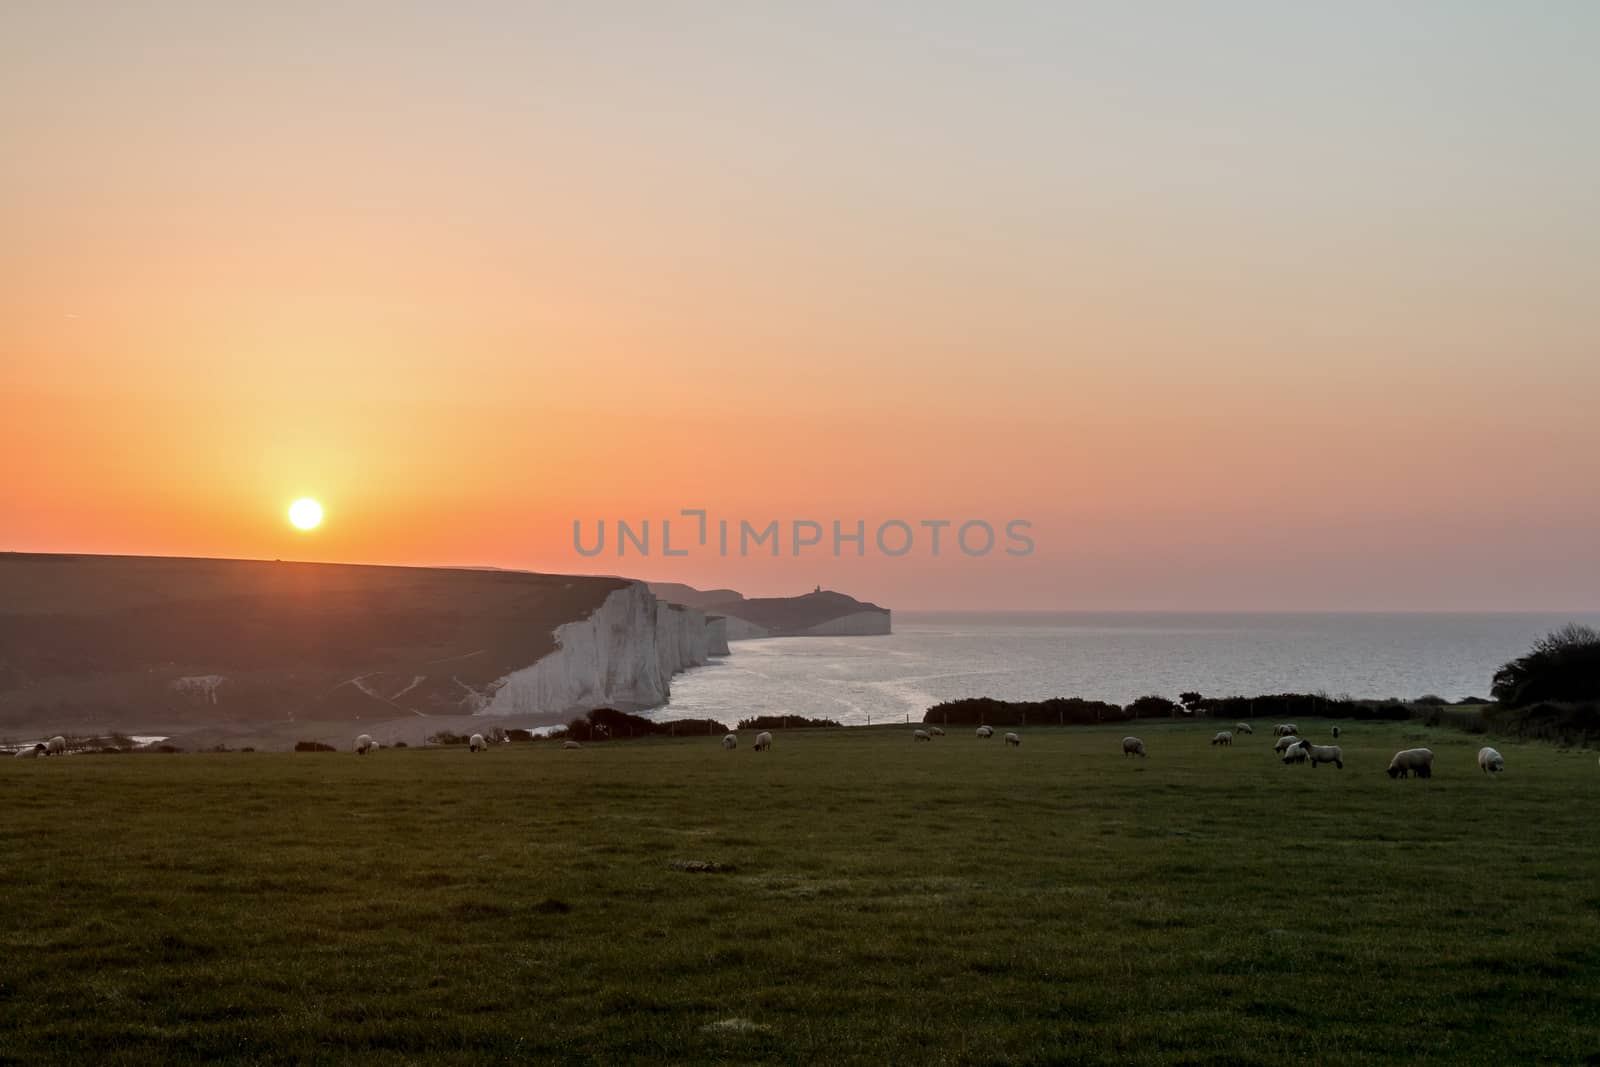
1117,657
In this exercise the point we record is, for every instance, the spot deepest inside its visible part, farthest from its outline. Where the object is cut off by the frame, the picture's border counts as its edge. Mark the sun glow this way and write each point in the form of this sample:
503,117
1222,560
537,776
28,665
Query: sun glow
305,513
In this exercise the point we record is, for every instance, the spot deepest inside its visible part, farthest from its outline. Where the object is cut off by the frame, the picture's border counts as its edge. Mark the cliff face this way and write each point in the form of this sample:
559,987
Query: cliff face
112,642
623,656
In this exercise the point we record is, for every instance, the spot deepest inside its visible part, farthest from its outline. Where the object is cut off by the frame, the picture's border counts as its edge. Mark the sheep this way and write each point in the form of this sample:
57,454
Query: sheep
1490,761
1296,753
936,732
1222,738
1013,739
57,746
1324,754
363,744
1132,746
570,744
477,743
1284,743
1336,733
763,741
31,752
730,742
1242,728
921,735
1418,761
985,731
1281,730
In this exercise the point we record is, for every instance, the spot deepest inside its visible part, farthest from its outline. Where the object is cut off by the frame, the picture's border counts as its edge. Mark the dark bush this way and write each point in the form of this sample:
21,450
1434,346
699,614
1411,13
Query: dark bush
1562,668
445,737
1152,707
1063,711
1567,724
785,722
312,746
167,748
603,724
520,735
399,744
1431,700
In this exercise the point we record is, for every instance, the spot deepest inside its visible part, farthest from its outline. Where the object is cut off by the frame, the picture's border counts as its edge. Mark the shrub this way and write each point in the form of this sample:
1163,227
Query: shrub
399,744
1152,707
1563,667
1431,700
445,737
973,711
784,722
306,746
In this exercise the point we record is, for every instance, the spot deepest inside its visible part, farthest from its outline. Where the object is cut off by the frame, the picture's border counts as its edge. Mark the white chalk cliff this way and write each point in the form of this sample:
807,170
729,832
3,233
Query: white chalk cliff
623,656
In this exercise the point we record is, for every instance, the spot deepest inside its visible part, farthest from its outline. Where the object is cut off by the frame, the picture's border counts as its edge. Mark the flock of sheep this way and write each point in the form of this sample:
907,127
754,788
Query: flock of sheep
1290,746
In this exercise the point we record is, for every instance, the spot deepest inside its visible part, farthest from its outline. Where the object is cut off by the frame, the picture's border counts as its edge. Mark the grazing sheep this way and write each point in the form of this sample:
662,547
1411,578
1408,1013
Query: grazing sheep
1222,738
730,742
570,744
1295,753
936,732
32,752
1013,739
1490,761
1406,762
363,744
921,735
1284,743
763,741
1242,728
1335,732
1132,746
57,746
1324,754
1281,730
986,731
477,743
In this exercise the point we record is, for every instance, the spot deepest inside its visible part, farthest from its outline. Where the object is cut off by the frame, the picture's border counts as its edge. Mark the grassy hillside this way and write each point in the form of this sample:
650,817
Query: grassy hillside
105,641
849,897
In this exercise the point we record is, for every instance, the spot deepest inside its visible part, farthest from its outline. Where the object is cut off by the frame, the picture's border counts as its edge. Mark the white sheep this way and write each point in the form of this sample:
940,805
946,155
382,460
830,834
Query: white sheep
1223,737
1132,746
476,743
570,744
57,746
730,742
763,741
363,744
1324,754
1295,753
1242,728
1490,761
31,752
921,735
1409,761
1283,743
986,731
1281,730
1013,739
936,732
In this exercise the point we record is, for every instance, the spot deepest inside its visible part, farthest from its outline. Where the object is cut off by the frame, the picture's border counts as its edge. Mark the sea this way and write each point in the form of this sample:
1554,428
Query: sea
1117,657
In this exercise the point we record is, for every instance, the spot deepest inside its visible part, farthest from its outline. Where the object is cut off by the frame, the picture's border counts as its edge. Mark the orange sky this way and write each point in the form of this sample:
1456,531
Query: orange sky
1230,332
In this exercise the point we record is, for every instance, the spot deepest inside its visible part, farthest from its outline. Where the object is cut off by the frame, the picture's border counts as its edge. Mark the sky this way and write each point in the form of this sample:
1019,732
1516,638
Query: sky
1241,306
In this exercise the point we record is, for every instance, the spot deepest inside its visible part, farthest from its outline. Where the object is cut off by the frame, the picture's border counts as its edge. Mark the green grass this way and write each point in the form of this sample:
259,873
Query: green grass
873,900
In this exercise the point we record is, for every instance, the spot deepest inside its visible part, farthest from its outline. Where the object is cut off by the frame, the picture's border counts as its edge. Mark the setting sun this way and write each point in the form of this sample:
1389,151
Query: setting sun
305,513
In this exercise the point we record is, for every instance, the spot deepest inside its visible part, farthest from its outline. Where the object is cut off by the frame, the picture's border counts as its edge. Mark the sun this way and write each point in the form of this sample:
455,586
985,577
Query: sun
305,513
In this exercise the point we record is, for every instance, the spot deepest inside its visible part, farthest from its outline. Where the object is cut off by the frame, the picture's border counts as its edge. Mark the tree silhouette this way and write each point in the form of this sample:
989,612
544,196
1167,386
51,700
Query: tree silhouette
1564,665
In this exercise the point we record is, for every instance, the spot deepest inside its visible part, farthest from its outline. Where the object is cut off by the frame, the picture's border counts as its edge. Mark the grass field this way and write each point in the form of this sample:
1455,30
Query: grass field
849,897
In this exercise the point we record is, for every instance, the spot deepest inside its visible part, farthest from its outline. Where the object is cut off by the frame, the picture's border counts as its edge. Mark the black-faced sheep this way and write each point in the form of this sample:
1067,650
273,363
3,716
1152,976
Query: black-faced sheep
1490,761
1324,754
763,741
31,752
476,743
936,732
1283,743
1295,753
1336,732
1406,762
985,731
921,735
1242,728
730,742
1223,737
1013,739
363,744
1132,746
57,746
